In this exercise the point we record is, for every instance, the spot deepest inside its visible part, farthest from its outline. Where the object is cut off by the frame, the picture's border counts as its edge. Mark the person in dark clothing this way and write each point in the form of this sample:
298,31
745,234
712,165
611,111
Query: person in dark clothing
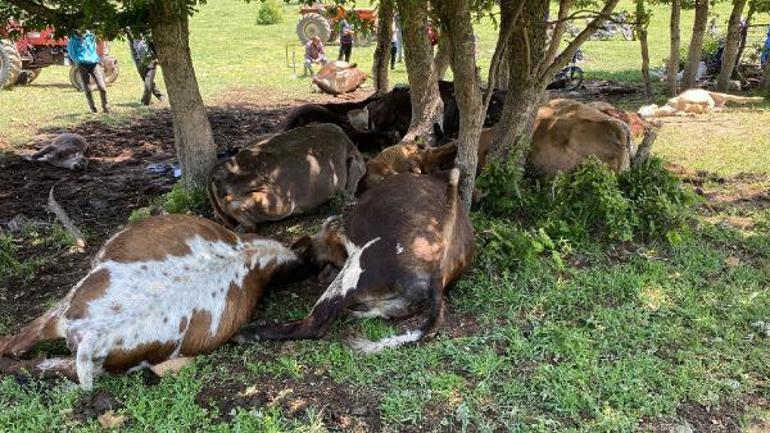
143,54
346,41
81,49
393,48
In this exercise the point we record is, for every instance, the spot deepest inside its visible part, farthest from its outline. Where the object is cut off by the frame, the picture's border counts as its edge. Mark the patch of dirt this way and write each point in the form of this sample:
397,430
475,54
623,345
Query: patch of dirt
93,404
625,95
725,417
100,199
343,407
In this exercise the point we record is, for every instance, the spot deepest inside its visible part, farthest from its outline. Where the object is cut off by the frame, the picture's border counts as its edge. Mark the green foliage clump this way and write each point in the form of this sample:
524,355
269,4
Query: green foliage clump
178,200
588,200
270,12
643,202
504,244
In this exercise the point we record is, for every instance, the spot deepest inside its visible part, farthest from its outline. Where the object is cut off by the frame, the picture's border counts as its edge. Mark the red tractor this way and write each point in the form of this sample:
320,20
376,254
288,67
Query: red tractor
22,59
322,21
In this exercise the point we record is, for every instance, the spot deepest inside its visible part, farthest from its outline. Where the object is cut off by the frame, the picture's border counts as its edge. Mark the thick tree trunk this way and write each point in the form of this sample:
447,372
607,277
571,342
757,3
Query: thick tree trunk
642,19
443,57
696,43
382,52
427,107
457,17
673,55
731,46
194,141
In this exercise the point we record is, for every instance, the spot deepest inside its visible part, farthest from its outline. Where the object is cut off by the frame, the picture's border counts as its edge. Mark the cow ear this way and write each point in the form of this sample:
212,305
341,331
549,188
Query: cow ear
356,171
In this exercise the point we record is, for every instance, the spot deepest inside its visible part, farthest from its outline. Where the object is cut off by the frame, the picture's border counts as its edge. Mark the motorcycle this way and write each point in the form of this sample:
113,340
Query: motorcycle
571,77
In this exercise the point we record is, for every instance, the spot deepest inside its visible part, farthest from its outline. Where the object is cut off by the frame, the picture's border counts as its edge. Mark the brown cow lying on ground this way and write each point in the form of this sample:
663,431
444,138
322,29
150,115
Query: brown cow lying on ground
405,241
65,151
634,121
339,77
166,287
415,158
286,174
695,101
567,132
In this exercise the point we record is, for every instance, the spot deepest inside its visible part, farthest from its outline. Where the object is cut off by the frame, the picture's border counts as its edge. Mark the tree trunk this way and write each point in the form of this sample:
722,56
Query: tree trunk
558,31
765,84
744,37
194,141
456,15
503,73
642,19
696,43
731,46
526,51
443,58
427,107
673,55
382,52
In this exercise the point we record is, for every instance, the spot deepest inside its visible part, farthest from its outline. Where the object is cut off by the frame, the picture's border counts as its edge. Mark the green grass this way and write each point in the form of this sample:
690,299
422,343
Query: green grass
588,343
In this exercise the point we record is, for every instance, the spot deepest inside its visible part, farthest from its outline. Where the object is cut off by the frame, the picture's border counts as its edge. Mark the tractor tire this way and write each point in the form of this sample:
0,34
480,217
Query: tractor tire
28,75
313,25
110,70
10,64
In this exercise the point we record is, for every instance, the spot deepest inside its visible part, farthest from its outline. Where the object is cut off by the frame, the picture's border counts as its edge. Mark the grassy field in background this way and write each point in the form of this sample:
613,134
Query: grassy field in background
666,336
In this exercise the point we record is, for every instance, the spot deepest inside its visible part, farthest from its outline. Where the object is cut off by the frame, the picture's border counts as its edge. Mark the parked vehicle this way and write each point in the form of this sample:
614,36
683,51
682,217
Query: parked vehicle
571,77
23,55
322,21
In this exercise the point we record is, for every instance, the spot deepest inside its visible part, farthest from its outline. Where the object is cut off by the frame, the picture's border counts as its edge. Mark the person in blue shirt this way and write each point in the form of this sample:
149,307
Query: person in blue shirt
81,49
765,50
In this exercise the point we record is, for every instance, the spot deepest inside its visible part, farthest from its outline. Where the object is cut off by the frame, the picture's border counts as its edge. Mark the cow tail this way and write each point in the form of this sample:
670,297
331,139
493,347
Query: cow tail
43,328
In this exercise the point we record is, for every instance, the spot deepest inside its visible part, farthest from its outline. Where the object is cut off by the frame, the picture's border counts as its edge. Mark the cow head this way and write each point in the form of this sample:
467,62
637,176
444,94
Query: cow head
325,247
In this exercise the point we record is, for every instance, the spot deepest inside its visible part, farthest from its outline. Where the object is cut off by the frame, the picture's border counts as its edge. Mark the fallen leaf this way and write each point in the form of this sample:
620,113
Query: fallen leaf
172,366
110,420
733,262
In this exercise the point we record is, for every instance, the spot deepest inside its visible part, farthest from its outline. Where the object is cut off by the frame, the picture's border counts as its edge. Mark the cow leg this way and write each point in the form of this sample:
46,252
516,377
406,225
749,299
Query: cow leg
40,367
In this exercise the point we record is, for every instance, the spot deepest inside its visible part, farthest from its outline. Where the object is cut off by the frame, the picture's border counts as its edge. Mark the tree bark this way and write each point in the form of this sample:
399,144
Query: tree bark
744,38
765,84
443,58
673,55
503,72
558,31
456,14
642,19
526,90
731,46
427,106
382,51
194,141
696,43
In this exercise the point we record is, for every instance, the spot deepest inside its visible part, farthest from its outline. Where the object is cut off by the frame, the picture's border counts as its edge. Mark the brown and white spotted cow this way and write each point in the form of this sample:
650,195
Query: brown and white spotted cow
286,174
166,287
402,245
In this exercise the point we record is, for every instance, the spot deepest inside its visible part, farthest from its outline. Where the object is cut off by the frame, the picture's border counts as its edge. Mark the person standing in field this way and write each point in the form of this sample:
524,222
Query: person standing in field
143,54
394,46
81,49
399,37
346,40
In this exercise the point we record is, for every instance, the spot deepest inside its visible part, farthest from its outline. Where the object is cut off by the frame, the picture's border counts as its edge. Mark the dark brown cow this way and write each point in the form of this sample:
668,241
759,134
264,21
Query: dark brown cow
286,174
352,117
405,242
165,287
